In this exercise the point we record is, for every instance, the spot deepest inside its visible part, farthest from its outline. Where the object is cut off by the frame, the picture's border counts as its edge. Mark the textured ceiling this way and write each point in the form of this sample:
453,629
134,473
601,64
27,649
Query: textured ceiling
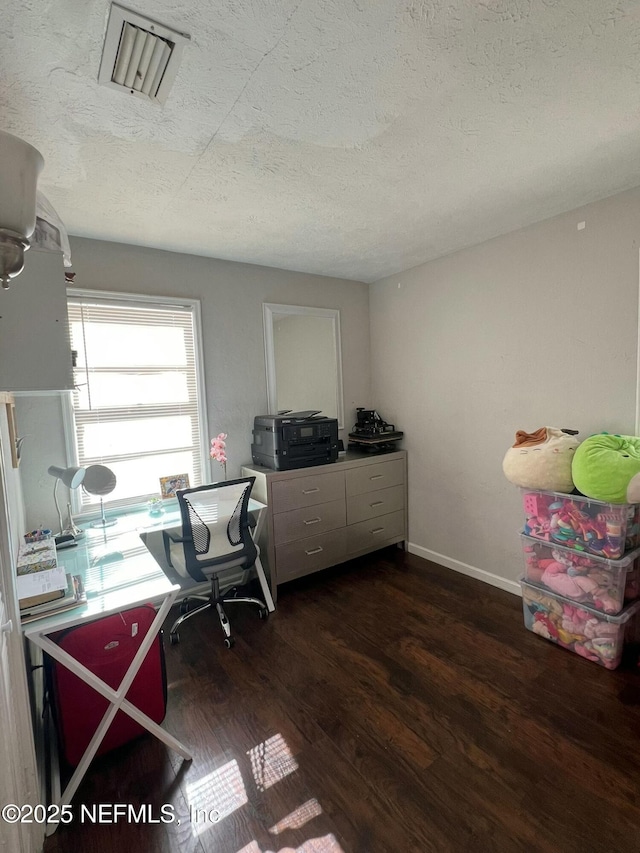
354,138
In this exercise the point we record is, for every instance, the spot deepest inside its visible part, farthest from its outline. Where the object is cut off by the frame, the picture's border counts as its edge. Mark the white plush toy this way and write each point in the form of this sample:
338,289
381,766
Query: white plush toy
542,459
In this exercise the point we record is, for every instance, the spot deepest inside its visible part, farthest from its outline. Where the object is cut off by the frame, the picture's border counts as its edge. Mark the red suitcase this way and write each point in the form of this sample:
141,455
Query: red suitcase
106,647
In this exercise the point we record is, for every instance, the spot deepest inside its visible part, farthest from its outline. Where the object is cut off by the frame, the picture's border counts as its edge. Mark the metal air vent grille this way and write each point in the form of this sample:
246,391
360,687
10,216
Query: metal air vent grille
140,56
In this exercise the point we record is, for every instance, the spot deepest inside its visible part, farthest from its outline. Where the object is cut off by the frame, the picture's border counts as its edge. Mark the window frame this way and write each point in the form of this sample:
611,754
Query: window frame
68,414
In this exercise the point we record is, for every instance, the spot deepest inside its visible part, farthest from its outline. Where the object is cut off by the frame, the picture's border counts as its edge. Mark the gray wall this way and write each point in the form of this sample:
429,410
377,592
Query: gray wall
231,296
538,327
535,328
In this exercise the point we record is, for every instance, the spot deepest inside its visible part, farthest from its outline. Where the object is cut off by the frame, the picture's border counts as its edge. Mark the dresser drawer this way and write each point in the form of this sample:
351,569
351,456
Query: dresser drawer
374,532
373,504
302,523
307,491
380,475
310,555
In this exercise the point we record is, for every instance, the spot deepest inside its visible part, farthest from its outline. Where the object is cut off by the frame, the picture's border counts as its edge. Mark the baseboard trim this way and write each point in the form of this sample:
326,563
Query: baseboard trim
465,569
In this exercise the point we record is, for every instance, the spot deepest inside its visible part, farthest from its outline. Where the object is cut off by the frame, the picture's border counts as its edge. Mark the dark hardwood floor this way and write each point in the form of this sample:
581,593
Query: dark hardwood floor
389,705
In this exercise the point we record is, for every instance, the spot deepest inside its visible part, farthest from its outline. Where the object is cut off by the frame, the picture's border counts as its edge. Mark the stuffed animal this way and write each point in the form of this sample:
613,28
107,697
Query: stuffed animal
600,591
585,650
556,578
534,570
607,468
572,624
542,459
544,626
599,628
537,597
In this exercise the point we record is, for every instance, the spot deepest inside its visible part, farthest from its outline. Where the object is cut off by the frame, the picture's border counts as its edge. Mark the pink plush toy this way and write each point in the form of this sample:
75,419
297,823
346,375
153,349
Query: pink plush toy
602,595
594,628
571,621
556,578
586,584
534,569
585,651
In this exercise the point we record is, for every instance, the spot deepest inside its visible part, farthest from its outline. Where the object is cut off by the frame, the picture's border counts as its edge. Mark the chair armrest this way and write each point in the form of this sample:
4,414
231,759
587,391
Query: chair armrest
174,538
167,538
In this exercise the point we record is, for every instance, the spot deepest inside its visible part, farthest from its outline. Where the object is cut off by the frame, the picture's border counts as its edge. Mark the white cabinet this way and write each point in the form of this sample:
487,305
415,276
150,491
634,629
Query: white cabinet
320,516
35,354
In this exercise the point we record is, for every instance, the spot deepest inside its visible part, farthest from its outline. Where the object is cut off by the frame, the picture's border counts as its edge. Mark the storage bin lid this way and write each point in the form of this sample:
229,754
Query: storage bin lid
626,562
619,618
581,498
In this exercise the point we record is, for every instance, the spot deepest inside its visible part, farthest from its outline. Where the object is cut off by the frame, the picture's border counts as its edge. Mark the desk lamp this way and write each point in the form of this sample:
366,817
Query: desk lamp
100,480
72,478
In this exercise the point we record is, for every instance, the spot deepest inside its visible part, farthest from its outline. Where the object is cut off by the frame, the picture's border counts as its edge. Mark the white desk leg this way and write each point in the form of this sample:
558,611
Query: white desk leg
116,698
257,530
264,584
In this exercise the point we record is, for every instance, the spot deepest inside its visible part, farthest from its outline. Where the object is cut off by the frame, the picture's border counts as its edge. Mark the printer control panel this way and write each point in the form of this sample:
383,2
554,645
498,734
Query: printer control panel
302,434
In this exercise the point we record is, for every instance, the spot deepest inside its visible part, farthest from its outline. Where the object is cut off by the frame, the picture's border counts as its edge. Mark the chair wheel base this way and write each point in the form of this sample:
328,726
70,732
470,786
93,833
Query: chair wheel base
184,607
263,613
174,639
229,642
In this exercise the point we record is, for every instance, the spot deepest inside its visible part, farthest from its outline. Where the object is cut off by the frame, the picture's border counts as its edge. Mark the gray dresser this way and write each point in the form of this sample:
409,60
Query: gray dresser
320,516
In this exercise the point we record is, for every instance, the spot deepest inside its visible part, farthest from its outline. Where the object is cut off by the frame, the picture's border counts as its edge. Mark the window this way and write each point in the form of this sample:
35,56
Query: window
138,406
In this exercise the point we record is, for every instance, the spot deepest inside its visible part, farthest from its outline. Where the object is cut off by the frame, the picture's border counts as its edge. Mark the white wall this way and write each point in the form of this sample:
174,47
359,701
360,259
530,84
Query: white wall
535,328
231,297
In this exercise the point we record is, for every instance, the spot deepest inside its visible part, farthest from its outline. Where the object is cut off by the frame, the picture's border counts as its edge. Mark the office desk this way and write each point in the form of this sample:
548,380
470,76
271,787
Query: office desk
118,573
115,565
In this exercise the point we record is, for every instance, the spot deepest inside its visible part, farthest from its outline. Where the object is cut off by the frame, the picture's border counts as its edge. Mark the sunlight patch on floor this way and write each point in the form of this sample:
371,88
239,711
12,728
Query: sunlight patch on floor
271,761
326,844
220,792
303,814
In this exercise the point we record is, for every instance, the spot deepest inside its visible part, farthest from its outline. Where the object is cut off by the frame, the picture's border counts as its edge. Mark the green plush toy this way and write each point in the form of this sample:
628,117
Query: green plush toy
607,468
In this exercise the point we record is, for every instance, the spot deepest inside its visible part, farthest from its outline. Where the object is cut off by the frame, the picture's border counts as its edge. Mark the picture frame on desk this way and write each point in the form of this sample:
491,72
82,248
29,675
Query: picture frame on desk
170,485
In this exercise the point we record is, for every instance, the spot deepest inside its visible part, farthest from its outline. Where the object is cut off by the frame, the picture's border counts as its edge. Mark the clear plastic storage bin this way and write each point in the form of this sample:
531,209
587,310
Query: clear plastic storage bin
587,632
607,530
597,582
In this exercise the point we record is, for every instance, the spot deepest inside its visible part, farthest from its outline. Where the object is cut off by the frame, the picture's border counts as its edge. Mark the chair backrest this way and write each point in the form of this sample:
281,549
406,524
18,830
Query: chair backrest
215,526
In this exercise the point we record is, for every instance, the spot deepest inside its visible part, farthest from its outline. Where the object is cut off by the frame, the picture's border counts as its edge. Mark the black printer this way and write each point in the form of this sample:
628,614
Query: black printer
294,440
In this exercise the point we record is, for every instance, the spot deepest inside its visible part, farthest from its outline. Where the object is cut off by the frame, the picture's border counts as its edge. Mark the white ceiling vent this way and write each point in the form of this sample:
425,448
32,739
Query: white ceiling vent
140,56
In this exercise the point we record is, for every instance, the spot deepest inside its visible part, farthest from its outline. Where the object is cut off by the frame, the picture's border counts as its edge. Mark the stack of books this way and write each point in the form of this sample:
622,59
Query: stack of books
55,601
38,570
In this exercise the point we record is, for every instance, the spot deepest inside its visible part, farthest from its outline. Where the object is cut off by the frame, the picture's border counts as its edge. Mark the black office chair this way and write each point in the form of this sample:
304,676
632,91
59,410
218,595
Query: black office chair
216,545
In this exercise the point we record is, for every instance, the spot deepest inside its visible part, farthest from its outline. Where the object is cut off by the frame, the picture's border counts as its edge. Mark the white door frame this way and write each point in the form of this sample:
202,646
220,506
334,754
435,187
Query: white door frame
31,836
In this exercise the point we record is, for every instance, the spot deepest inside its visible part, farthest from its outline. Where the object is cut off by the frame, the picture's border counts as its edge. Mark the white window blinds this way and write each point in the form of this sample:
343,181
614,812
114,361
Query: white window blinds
136,405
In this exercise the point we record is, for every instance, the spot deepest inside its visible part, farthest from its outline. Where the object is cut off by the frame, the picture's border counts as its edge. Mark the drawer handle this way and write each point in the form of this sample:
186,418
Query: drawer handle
377,477
376,503
312,520
310,491
377,530
314,551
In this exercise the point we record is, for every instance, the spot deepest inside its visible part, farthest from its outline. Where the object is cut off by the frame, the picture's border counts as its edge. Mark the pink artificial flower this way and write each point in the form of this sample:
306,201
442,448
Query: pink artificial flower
218,448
